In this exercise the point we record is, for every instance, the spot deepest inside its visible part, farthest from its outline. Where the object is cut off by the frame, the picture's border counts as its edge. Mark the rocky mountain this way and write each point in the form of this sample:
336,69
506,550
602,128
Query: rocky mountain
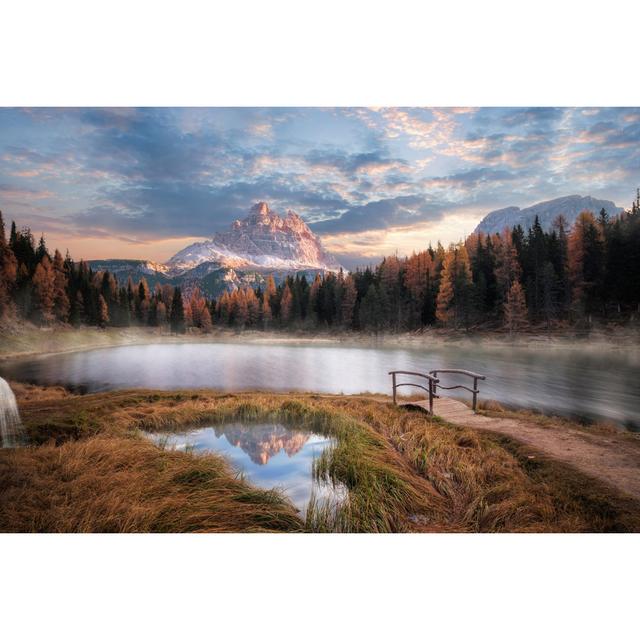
263,240
547,212
262,244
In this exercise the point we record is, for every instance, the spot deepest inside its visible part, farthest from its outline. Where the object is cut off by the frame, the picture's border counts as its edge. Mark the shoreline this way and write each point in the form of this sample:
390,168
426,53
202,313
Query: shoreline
36,341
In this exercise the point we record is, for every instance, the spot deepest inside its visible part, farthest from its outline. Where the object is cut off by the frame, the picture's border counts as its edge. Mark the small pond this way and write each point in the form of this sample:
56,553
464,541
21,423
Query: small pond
269,455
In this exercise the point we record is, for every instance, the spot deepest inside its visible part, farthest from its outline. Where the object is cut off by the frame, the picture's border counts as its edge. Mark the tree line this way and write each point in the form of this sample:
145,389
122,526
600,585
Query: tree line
512,279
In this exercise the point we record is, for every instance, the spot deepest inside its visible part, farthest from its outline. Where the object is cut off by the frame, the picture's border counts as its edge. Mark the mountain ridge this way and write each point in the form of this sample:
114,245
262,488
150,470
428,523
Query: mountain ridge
547,211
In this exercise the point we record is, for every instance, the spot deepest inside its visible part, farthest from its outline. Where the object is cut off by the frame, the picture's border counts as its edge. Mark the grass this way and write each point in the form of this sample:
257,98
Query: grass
90,470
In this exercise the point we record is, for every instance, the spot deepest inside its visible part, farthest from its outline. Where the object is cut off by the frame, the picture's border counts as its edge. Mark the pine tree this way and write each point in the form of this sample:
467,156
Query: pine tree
77,312
176,318
313,304
349,297
142,301
370,314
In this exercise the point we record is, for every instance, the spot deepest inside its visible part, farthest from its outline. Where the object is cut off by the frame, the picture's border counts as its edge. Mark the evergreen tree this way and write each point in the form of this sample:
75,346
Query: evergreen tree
370,316
176,318
348,303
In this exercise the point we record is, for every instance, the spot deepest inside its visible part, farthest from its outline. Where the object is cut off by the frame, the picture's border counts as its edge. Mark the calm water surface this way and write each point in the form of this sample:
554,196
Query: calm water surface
596,384
269,455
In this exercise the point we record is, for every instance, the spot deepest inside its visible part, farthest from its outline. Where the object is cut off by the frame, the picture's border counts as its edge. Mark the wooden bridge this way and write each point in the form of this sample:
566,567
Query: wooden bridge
447,408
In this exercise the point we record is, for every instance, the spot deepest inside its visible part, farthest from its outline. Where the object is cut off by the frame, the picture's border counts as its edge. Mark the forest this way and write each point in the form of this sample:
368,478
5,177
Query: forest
515,280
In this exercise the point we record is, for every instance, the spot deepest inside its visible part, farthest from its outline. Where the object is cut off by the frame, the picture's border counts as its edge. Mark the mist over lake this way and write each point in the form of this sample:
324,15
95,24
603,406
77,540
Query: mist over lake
597,384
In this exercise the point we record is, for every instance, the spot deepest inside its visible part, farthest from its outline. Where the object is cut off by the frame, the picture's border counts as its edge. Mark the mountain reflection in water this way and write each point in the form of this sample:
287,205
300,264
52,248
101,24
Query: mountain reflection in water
269,455
262,442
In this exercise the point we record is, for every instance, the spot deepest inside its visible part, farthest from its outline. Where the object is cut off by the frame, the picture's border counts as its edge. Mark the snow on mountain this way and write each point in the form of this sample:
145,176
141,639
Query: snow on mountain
263,240
569,206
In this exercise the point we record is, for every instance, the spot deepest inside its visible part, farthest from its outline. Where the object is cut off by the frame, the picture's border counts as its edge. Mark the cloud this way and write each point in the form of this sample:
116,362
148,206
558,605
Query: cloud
382,214
152,174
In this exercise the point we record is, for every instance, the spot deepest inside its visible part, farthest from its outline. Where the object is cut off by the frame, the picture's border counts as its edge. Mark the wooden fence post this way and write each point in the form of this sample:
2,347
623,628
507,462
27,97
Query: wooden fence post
431,396
394,387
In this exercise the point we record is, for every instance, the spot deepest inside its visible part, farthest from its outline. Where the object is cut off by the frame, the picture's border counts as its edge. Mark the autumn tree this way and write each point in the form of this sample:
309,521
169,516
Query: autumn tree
285,305
239,309
454,296
420,280
507,269
60,297
223,308
265,312
586,263
8,271
515,308
253,307
103,311
44,289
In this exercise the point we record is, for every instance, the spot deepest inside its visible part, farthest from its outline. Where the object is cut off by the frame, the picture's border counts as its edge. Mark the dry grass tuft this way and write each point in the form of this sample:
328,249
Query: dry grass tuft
114,484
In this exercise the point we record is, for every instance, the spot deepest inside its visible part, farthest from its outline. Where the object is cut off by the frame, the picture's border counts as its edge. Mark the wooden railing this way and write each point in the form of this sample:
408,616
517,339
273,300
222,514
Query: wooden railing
434,383
431,389
476,376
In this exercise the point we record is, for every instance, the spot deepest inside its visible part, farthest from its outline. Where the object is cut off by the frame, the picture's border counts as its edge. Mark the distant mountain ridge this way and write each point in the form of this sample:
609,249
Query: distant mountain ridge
569,206
262,244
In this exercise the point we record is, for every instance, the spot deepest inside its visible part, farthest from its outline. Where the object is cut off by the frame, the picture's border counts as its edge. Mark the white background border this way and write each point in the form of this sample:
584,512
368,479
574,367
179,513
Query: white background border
319,54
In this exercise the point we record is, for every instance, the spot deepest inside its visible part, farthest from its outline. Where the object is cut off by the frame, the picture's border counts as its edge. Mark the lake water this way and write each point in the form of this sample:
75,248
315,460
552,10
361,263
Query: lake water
596,384
269,455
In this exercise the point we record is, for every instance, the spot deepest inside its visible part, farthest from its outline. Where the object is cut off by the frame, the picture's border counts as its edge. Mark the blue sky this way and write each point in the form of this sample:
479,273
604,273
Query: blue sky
145,182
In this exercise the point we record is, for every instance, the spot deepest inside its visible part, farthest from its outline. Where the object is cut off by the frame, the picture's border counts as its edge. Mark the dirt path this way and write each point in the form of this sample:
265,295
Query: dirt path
609,458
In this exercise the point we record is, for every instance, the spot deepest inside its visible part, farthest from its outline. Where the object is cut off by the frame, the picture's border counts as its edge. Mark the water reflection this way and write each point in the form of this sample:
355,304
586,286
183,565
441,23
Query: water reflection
268,455
591,383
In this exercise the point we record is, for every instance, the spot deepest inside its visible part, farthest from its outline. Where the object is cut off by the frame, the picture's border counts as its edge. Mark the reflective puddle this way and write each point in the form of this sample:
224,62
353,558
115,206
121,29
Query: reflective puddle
268,455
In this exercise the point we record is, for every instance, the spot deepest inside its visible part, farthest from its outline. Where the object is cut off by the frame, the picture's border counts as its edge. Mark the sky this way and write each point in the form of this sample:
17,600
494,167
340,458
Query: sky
144,183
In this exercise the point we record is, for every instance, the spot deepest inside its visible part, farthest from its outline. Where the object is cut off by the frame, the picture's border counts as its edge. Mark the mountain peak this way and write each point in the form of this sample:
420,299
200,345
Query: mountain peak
260,209
262,240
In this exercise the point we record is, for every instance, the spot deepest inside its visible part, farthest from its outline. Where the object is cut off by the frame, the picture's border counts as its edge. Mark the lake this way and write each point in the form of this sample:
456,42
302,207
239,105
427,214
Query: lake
588,383
269,455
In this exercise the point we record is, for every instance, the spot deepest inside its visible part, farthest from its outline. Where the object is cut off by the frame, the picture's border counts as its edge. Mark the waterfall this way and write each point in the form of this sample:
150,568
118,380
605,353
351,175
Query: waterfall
11,431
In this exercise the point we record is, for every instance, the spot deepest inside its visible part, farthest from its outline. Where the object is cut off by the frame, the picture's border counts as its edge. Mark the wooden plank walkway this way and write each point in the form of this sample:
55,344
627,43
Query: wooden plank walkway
453,411
612,459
